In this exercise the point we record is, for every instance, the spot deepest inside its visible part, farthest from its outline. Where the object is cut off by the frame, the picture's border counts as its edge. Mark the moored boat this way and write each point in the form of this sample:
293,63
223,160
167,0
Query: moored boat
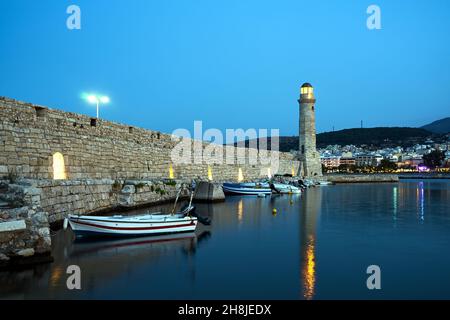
140,225
247,188
324,183
284,188
156,223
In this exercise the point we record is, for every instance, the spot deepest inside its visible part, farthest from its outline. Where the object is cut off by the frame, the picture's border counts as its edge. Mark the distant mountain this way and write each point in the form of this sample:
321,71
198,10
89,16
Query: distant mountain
376,137
440,126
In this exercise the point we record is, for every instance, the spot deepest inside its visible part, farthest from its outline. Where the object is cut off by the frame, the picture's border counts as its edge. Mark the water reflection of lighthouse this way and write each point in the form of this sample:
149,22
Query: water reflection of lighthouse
310,211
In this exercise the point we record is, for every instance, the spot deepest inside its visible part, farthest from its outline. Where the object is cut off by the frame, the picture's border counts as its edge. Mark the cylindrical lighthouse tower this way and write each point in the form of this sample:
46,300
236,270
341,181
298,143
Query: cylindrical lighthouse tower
309,157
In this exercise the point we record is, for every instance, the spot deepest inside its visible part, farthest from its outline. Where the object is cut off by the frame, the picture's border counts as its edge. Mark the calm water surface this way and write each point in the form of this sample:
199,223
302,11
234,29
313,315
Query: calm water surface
318,246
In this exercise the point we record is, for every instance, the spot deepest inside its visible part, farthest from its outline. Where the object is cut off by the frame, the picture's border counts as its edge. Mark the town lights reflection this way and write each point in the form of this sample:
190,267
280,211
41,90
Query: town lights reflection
395,201
421,200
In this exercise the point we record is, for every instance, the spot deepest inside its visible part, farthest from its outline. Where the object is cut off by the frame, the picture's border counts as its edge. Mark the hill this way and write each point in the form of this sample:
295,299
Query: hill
376,137
440,126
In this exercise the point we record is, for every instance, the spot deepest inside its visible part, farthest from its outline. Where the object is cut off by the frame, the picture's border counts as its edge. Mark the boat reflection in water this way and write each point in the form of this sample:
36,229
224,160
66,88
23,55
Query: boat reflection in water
101,260
129,246
309,217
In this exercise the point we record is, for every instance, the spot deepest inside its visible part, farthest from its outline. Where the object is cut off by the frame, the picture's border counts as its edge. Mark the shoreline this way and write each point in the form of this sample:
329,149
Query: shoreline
425,176
358,178
381,177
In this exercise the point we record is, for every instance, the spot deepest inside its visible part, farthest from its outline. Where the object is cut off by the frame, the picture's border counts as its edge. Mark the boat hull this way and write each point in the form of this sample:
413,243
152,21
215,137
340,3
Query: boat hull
100,226
286,188
245,190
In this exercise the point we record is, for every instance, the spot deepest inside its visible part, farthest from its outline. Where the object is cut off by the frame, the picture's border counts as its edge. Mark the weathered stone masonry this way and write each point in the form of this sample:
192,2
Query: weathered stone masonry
53,163
24,226
99,153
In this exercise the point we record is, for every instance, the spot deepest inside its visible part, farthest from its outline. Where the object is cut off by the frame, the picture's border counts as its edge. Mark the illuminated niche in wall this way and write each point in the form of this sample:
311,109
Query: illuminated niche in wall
240,175
171,175
210,176
59,169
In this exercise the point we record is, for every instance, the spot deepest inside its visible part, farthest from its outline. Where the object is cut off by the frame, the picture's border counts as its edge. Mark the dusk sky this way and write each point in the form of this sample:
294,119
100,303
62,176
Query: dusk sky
231,64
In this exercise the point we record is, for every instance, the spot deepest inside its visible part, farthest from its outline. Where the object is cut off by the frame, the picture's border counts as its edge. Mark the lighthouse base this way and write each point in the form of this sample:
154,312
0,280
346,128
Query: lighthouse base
311,166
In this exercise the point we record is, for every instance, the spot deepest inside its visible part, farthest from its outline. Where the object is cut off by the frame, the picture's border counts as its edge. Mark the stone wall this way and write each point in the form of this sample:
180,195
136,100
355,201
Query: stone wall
24,226
62,197
30,136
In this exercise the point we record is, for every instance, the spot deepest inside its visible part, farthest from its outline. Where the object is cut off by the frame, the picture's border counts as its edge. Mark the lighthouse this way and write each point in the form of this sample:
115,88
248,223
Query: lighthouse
309,157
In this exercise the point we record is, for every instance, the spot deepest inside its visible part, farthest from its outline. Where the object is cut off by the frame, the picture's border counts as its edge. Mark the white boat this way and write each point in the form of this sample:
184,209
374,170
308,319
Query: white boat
324,183
284,188
118,225
255,189
308,183
156,223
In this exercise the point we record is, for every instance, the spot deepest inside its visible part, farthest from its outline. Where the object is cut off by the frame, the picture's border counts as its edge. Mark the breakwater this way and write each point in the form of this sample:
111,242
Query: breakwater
430,175
360,178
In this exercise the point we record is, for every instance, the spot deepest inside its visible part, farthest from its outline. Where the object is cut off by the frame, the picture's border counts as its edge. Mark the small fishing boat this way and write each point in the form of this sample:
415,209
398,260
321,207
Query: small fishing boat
138,225
141,225
253,188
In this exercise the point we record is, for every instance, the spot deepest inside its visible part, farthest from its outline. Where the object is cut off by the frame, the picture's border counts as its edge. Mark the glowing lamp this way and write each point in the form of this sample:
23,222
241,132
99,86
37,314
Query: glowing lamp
104,99
92,99
95,99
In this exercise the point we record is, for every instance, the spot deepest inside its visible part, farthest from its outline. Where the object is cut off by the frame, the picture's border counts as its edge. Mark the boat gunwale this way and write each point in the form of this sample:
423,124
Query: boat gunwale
122,228
93,218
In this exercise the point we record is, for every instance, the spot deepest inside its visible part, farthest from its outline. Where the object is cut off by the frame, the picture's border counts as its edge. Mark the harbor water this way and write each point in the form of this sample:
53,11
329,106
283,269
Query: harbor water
318,245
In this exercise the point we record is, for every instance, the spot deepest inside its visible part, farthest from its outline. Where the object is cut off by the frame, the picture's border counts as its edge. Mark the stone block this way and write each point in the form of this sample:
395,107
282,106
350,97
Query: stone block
10,226
26,252
209,192
128,189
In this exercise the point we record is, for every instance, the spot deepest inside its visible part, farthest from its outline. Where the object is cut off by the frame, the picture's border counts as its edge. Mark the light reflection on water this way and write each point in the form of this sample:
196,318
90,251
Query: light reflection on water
318,246
309,272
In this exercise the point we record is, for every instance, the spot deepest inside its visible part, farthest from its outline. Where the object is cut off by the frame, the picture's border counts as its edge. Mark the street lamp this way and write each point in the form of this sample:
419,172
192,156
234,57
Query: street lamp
95,99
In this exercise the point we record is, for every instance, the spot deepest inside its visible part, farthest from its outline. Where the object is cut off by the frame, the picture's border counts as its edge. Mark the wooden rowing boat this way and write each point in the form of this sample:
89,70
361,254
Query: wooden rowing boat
139,225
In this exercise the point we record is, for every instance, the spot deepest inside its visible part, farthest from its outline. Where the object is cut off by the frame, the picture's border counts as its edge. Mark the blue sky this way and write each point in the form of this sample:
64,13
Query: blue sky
231,64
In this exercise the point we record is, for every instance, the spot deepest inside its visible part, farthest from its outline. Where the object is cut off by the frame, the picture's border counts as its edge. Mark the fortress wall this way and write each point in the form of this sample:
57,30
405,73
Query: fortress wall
31,134
62,197
106,165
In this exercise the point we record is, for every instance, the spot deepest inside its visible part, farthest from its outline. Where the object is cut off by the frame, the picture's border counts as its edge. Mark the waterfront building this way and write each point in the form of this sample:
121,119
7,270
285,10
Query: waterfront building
347,154
364,160
331,161
350,161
